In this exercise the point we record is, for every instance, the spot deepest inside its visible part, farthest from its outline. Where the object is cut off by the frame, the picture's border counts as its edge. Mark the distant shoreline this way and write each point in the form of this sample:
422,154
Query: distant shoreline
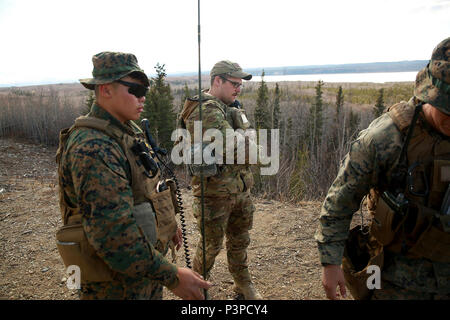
351,68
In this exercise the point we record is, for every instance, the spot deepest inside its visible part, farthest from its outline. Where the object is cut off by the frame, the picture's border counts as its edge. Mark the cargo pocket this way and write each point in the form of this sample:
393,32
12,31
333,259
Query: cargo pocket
75,249
385,223
165,215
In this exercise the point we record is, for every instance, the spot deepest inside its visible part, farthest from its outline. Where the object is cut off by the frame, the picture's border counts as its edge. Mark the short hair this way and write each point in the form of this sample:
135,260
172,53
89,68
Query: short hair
221,76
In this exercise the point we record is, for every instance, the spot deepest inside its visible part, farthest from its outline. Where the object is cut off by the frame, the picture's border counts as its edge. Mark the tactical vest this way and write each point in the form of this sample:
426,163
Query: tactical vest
158,229
237,119
422,229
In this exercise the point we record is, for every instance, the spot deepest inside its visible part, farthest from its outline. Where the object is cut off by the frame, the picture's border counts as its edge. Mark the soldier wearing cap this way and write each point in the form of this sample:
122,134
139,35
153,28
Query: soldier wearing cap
109,204
228,207
402,162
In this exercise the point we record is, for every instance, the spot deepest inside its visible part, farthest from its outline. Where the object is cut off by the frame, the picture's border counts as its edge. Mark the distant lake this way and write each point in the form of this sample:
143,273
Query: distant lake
378,77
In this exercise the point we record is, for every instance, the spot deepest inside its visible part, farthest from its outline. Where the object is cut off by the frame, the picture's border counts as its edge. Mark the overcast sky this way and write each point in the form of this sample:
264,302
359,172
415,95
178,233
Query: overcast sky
53,40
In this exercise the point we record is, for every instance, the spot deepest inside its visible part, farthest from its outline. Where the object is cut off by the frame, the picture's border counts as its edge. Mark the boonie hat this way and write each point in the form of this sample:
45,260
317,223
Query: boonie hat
112,66
226,67
433,81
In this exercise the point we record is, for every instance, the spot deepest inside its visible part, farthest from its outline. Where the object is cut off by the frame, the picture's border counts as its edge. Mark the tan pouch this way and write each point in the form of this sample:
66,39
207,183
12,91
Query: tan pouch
433,243
173,192
361,251
165,215
383,227
75,249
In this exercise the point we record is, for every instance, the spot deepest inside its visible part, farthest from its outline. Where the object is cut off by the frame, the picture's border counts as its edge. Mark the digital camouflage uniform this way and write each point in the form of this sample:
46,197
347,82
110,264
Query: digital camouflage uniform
368,165
228,208
95,180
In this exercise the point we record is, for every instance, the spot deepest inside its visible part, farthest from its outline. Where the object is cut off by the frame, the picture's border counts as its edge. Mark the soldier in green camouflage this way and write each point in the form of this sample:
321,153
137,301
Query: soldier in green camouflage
95,179
416,248
228,207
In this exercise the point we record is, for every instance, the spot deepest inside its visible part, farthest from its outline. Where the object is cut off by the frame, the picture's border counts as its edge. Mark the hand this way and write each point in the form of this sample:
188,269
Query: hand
190,285
333,276
178,239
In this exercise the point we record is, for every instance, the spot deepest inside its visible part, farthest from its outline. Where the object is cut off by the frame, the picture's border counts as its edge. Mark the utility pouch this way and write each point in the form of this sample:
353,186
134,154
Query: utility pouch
239,118
440,181
432,243
165,215
385,222
145,219
247,178
209,170
361,251
75,249
173,193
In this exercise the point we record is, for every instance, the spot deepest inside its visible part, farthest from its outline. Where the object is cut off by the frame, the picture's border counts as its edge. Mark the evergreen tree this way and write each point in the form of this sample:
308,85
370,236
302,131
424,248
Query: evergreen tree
90,98
262,114
353,124
158,109
276,114
338,137
339,103
186,94
379,106
316,117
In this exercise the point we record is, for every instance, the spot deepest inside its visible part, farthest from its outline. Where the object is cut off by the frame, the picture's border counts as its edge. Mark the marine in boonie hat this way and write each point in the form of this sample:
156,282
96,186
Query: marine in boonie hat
232,69
112,66
433,81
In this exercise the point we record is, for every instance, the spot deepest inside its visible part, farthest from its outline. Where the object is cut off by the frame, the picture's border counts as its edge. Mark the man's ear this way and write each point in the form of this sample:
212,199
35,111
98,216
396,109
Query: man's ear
105,90
217,81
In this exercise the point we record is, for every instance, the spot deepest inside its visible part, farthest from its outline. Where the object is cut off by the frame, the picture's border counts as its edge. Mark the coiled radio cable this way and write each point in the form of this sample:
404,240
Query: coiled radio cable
178,194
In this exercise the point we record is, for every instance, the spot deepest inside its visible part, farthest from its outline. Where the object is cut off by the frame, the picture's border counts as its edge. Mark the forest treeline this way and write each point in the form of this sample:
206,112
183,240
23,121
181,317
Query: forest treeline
316,121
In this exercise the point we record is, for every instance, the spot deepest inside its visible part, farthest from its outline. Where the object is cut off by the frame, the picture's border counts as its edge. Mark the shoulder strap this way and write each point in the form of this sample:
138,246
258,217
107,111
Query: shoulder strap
404,119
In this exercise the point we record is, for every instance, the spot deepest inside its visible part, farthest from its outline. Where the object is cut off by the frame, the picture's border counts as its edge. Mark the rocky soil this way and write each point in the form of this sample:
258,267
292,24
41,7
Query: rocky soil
283,255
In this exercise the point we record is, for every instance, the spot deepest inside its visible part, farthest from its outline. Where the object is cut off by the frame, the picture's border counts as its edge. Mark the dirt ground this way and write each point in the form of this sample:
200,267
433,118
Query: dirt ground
283,256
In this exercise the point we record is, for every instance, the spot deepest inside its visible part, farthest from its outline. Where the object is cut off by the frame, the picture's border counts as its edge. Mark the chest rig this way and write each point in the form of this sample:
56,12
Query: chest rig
153,209
415,221
237,119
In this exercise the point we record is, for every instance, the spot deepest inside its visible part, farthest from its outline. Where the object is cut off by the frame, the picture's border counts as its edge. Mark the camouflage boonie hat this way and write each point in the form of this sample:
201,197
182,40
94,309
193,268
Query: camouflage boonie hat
433,81
112,66
229,68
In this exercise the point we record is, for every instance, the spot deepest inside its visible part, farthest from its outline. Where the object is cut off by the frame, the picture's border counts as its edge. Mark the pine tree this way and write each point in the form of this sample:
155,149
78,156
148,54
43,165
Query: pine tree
339,103
158,109
353,124
379,106
90,98
262,114
276,114
316,118
338,136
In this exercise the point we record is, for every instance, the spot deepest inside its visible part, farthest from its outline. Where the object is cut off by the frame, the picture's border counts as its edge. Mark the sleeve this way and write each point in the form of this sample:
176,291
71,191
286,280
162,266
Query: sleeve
366,163
105,198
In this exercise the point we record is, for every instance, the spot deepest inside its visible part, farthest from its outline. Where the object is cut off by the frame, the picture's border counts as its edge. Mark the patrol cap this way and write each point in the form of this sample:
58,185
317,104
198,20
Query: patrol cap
112,66
433,81
232,69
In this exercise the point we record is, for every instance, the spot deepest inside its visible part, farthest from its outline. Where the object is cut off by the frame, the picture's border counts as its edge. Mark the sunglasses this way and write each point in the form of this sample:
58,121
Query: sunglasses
234,83
136,89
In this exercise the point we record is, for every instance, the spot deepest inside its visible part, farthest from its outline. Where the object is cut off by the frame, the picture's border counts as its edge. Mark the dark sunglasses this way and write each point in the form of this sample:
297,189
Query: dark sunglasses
136,89
234,83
